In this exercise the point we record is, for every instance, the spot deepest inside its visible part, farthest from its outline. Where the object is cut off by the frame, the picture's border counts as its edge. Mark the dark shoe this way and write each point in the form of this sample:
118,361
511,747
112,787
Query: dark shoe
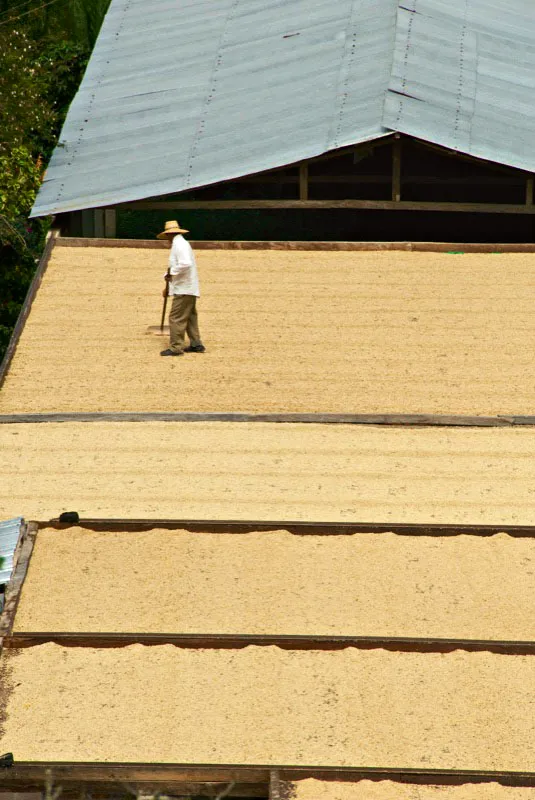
196,348
169,352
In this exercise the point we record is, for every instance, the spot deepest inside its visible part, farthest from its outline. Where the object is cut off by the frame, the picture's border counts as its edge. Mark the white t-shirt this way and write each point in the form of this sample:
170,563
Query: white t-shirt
183,269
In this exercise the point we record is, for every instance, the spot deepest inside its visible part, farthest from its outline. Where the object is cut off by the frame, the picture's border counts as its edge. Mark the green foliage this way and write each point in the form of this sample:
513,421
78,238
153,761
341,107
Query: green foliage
64,20
25,116
61,66
44,55
20,242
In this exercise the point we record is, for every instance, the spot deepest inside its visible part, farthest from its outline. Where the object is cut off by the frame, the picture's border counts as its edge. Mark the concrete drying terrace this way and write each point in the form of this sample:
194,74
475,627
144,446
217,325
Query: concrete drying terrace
359,332
268,471
387,790
463,587
263,705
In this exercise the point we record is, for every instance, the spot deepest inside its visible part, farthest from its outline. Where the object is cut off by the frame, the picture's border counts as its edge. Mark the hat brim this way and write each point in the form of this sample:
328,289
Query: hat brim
163,234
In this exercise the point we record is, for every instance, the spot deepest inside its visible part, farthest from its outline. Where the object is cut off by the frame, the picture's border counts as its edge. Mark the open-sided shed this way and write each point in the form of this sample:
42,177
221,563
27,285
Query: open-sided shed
361,107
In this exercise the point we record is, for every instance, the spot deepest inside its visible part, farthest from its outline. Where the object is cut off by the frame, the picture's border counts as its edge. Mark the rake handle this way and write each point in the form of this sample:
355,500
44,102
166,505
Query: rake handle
167,279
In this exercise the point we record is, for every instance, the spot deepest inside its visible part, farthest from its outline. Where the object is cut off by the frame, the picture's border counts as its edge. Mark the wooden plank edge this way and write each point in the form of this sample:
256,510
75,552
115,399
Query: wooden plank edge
203,773
97,640
52,240
182,790
23,554
435,247
394,420
296,527
364,205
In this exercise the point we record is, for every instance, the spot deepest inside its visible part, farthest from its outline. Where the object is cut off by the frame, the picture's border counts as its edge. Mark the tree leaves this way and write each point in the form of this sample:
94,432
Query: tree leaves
44,55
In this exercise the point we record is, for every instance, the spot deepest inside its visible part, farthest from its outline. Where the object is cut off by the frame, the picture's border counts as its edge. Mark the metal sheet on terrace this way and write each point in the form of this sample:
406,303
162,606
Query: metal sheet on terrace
348,332
277,583
181,94
261,471
264,705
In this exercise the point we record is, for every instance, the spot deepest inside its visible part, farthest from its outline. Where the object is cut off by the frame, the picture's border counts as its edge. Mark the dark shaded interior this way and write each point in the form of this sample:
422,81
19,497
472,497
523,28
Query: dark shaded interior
427,173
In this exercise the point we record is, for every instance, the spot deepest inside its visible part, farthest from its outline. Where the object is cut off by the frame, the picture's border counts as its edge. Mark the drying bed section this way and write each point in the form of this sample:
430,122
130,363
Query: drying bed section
268,471
311,789
280,584
264,705
365,332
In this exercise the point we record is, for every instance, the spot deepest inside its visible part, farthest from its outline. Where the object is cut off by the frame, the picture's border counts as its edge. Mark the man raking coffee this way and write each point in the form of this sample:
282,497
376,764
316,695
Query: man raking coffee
182,284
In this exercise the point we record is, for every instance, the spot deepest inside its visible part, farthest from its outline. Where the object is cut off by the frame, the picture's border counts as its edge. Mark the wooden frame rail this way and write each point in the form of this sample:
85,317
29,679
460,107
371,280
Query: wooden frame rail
296,527
273,781
404,420
203,641
20,639
418,247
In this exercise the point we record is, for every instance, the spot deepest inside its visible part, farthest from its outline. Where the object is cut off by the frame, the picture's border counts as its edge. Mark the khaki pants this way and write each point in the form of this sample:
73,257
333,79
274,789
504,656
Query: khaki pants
182,319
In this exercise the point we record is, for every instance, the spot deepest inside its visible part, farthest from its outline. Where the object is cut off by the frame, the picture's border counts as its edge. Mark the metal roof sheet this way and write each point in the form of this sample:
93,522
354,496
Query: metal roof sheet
184,93
9,536
215,89
463,76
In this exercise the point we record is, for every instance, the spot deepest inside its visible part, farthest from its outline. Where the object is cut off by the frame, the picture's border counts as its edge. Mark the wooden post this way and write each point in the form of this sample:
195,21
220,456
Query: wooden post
98,223
110,223
75,224
279,789
88,223
396,169
529,202
529,191
303,181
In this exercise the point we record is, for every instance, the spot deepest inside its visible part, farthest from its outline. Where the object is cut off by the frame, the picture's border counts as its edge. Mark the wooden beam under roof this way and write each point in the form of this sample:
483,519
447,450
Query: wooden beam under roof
362,205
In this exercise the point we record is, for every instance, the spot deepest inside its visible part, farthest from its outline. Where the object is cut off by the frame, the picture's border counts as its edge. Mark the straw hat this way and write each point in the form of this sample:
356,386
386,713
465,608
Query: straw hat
171,227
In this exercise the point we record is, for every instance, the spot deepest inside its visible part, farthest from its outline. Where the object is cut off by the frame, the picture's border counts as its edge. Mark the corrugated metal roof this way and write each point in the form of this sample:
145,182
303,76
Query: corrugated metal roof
463,77
9,536
183,94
